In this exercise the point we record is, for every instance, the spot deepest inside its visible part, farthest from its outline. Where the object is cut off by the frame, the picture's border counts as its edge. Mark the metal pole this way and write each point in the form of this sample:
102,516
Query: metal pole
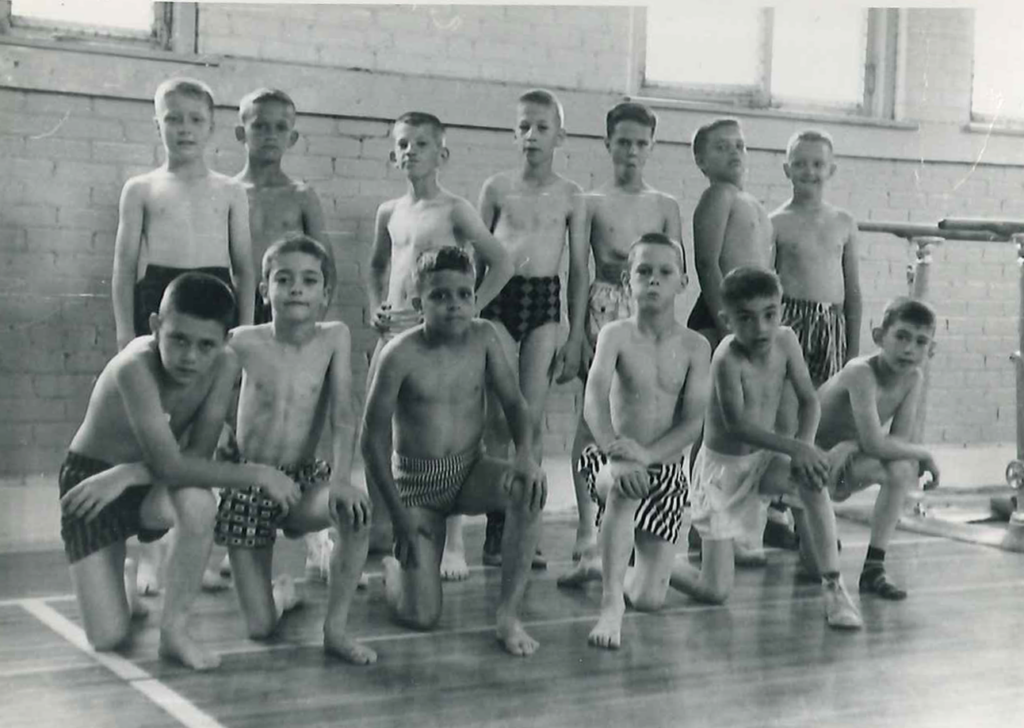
1015,470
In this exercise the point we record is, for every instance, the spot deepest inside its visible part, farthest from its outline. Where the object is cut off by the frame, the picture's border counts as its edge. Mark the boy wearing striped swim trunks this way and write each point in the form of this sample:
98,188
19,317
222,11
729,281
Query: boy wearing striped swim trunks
158,387
646,394
429,390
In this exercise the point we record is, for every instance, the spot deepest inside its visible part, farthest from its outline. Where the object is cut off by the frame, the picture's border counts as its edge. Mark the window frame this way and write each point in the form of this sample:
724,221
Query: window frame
988,123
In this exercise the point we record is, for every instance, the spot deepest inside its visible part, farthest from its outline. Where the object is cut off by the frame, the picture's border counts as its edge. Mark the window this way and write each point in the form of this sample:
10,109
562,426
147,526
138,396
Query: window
141,22
792,56
997,94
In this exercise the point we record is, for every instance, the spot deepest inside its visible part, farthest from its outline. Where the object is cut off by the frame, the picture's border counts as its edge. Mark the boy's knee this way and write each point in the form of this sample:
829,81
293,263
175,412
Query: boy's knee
903,474
648,600
196,510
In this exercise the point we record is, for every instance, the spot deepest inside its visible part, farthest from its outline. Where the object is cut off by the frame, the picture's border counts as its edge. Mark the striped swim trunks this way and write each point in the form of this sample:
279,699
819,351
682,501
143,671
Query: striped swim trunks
821,330
433,483
248,519
116,523
661,511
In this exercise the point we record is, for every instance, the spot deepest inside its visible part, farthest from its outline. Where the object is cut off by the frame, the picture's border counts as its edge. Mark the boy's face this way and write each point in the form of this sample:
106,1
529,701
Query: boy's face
655,278
296,288
417,150
188,344
724,157
447,300
755,321
185,125
905,345
630,144
809,165
538,130
268,130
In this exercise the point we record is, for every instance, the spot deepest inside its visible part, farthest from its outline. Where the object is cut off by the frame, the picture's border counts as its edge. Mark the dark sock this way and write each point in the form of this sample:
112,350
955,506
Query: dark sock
875,559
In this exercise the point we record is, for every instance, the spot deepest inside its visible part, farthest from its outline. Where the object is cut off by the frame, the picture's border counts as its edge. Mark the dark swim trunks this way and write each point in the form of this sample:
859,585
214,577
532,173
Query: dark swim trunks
821,330
526,303
700,317
150,290
116,523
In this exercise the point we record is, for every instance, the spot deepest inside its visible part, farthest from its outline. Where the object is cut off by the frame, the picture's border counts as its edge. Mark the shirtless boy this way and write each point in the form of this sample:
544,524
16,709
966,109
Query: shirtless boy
646,395
296,378
532,211
744,457
426,217
158,387
616,214
870,391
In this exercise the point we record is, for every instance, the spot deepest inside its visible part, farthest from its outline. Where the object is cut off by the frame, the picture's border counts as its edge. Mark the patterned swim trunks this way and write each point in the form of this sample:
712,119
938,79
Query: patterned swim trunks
661,511
526,303
607,302
433,483
821,330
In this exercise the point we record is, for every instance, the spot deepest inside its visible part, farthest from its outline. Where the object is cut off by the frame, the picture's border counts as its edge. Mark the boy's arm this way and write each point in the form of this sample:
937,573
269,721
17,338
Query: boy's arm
694,402
597,410
488,204
240,248
469,227
709,224
852,302
874,442
126,260
579,279
809,408
313,220
342,412
380,261
673,219
209,420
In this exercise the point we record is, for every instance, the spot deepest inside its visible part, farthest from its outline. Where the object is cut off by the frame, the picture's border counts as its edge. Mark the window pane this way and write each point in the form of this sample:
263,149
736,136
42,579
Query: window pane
818,54
998,58
703,44
126,14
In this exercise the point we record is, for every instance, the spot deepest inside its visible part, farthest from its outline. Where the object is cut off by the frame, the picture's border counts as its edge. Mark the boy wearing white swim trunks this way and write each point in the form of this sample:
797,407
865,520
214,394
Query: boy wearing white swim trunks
744,458
429,389
646,394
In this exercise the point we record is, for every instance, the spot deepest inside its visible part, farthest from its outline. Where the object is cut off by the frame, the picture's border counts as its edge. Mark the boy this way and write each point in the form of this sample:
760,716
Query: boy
180,378
532,211
646,394
616,214
744,458
430,386
180,216
278,206
856,403
296,378
426,217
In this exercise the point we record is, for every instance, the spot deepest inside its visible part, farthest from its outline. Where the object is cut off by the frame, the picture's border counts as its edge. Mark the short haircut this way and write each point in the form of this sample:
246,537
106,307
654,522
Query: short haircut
911,310
629,111
301,244
700,137
422,118
663,240
186,87
748,282
262,96
447,257
543,97
809,135
203,296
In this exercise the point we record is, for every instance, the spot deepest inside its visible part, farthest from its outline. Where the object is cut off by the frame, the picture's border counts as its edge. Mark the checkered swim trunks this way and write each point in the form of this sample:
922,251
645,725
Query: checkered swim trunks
821,330
433,483
661,511
526,303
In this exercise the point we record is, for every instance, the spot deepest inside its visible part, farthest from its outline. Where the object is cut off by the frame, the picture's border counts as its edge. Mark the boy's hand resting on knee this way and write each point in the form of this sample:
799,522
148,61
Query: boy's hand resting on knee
529,476
631,479
279,487
407,548
95,493
811,464
348,505
929,466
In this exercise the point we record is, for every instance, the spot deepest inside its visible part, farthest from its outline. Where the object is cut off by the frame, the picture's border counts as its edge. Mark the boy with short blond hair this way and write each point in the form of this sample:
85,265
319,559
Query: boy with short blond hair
646,394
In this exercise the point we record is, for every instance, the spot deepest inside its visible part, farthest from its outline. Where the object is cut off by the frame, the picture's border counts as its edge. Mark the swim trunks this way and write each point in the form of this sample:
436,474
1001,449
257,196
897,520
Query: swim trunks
700,317
247,518
607,302
660,512
150,289
724,495
821,330
526,303
433,483
116,523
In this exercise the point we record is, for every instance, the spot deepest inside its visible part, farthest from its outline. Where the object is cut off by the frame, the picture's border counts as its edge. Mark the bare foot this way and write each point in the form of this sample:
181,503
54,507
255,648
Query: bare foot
214,581
585,546
607,633
454,566
344,647
147,583
586,570
136,607
513,637
177,646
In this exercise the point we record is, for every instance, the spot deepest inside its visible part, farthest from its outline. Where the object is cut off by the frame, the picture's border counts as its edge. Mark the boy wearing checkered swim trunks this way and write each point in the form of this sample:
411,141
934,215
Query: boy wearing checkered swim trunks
158,387
646,394
744,457
616,214
429,389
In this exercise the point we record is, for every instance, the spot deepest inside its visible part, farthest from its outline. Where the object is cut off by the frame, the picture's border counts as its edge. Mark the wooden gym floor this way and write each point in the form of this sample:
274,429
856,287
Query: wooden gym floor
950,655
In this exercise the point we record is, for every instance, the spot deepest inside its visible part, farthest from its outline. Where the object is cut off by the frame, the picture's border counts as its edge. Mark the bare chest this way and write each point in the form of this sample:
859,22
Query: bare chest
657,370
457,377
273,212
619,220
415,229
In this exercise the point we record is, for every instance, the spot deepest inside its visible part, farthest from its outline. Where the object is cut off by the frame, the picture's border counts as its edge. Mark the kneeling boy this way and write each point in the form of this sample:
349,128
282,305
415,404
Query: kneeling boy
430,384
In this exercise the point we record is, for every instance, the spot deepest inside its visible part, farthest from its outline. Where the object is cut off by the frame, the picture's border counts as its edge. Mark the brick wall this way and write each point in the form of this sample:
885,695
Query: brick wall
66,156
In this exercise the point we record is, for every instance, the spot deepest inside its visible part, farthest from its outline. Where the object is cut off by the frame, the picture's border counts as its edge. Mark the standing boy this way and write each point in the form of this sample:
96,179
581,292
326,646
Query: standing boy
532,211
616,214
646,395
429,387
426,217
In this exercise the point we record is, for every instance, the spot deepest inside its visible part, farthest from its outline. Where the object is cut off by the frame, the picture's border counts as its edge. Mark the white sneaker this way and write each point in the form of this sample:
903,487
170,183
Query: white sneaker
319,547
286,596
840,612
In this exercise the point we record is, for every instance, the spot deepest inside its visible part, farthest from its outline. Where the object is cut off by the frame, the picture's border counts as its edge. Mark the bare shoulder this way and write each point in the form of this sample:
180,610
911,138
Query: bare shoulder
142,183
140,356
616,331
857,374
695,343
243,338
387,208
717,196
498,183
782,213
787,340
335,332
